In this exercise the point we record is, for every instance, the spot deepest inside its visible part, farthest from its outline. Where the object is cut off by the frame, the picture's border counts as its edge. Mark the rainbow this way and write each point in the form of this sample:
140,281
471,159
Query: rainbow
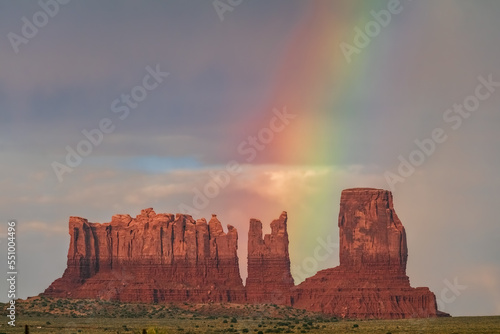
316,82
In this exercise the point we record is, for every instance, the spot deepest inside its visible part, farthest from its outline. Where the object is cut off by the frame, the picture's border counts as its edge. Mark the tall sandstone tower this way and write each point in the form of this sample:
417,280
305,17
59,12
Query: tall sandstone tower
269,278
371,280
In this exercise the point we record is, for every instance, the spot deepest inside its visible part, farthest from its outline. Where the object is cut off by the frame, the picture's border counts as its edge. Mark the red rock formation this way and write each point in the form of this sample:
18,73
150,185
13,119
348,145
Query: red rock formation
371,280
162,258
152,258
371,233
269,278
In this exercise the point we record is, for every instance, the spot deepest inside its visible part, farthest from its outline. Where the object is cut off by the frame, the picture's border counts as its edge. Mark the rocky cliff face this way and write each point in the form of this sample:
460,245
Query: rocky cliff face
371,234
269,278
151,258
371,280
167,258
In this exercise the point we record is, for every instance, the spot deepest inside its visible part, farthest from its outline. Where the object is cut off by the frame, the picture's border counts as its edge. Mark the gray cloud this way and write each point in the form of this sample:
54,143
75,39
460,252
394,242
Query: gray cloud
222,77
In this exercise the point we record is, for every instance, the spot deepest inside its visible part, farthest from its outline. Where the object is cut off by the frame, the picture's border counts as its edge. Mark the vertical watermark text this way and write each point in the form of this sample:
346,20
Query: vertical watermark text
11,271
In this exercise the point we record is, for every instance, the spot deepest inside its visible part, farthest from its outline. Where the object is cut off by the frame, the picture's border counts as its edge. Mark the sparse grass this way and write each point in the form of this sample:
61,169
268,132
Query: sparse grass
90,316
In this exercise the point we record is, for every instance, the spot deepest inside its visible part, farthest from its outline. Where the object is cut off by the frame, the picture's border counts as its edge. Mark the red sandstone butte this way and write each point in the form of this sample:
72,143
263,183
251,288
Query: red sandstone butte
151,258
371,280
269,279
166,258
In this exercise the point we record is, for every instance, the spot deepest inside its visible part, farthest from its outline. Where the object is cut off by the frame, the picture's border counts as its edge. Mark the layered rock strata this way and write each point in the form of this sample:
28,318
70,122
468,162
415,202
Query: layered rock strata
371,280
151,258
269,279
156,258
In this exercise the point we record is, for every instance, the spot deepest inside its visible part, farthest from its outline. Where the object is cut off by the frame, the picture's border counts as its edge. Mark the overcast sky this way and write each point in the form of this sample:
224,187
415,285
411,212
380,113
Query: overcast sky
308,98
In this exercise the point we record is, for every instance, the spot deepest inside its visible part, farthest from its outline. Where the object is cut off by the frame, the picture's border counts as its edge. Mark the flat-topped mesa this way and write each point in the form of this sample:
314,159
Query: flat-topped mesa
371,280
269,278
371,234
151,258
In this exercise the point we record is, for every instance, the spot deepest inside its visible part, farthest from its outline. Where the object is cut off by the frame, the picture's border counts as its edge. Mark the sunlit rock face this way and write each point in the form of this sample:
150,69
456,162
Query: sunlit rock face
167,258
371,280
151,258
269,278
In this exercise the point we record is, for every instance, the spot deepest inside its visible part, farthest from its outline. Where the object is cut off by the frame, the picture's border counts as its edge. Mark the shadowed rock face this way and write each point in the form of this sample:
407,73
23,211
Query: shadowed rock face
269,278
151,258
371,280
